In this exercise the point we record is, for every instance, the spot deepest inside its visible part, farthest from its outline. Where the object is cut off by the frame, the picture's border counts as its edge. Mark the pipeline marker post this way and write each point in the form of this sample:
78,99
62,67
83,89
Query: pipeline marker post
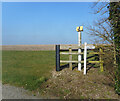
85,57
57,57
79,29
79,51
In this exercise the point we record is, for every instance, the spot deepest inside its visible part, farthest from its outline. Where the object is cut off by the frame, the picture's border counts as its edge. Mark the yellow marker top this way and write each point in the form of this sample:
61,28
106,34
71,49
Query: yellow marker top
80,28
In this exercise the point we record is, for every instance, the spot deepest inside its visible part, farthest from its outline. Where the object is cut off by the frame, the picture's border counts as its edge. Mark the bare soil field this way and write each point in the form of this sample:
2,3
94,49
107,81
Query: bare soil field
28,47
39,47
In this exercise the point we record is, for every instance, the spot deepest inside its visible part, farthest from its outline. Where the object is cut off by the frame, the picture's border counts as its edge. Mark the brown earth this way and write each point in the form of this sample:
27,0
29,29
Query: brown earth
31,47
36,47
28,47
68,84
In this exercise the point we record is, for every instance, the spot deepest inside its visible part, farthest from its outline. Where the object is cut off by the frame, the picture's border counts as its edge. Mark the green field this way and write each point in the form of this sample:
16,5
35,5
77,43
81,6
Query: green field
27,68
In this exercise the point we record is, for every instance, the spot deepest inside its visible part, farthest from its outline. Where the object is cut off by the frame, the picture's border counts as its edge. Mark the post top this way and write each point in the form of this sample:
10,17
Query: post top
85,43
80,28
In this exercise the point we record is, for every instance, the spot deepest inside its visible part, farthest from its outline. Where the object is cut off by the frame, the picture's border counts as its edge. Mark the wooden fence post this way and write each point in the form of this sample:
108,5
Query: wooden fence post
70,57
101,61
57,57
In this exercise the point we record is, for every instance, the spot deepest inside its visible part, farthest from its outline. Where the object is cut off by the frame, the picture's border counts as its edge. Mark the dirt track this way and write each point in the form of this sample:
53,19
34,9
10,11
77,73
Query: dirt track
12,92
28,47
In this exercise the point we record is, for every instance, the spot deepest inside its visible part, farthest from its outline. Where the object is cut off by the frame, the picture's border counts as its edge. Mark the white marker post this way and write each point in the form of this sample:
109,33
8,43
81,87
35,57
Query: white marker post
85,56
79,29
79,51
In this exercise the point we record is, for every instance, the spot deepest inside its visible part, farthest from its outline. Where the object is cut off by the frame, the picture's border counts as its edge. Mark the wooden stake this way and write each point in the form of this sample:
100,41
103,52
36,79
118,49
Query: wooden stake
114,56
101,61
70,57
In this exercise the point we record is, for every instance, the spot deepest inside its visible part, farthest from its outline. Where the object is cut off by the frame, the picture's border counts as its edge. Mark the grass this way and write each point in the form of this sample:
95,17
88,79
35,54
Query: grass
27,68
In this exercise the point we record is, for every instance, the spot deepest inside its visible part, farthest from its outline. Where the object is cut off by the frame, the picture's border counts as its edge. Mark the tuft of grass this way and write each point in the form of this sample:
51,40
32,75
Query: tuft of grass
67,91
40,81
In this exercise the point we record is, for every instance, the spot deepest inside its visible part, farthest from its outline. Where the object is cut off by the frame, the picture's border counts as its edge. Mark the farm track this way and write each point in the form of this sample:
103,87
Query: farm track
12,92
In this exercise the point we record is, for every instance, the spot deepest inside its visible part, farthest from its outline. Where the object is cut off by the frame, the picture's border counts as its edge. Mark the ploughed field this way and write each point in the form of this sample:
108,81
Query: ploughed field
28,47
34,70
